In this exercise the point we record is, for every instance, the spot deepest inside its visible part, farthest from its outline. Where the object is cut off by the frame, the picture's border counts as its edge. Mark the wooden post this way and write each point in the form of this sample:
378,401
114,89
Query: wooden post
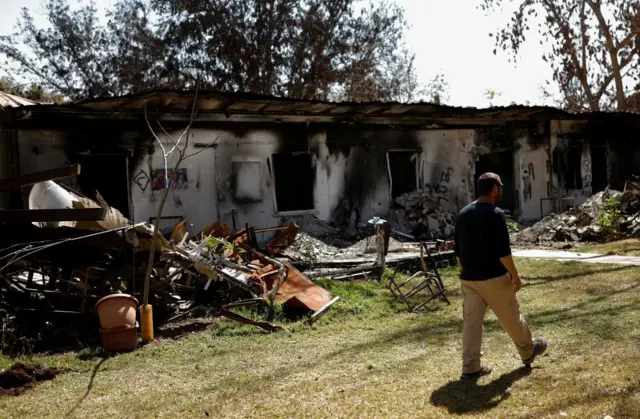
380,240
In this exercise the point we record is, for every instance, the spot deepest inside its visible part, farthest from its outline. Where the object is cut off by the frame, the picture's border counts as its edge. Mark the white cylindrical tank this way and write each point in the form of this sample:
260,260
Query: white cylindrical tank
49,195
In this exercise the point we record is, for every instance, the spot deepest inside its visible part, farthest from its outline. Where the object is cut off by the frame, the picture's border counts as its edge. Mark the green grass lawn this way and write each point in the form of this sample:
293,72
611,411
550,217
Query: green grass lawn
369,358
628,247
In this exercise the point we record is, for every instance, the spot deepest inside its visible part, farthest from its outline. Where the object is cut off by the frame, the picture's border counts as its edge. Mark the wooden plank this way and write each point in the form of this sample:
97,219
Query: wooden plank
315,316
36,177
83,214
14,234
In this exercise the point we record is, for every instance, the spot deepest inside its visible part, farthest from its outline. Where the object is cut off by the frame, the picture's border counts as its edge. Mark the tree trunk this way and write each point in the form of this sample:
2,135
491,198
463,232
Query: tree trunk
152,251
613,54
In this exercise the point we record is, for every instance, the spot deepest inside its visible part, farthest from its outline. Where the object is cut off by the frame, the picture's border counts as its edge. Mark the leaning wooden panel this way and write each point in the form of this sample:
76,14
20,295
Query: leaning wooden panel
39,215
36,177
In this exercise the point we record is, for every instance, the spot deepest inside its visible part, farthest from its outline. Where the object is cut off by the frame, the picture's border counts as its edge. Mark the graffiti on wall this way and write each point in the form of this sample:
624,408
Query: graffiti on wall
142,180
439,189
177,179
586,175
445,176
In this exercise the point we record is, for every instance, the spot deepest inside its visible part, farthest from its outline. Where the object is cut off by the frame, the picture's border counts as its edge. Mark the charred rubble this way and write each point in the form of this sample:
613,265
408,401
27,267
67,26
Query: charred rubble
585,223
421,214
67,251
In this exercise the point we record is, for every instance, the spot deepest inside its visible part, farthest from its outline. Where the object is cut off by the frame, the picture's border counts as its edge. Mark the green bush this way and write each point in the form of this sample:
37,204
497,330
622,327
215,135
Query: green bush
512,225
610,218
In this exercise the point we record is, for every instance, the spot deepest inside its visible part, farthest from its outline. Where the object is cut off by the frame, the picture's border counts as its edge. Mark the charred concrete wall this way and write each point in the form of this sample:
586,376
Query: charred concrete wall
555,170
43,150
552,165
571,162
618,139
532,176
257,174
100,153
339,174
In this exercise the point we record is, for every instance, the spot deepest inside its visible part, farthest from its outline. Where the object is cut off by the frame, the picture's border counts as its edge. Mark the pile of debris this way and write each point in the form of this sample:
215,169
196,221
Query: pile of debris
581,223
422,215
311,250
212,268
211,271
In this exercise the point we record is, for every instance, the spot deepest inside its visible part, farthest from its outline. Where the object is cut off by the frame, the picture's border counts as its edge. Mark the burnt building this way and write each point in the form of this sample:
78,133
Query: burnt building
261,158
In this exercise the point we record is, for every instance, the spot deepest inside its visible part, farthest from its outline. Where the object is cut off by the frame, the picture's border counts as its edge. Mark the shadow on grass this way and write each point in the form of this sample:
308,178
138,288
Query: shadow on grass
434,332
94,373
625,398
532,281
90,354
586,317
460,397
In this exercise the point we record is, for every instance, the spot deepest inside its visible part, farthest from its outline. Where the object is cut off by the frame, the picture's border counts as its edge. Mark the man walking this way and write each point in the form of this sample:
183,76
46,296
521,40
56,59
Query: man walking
489,278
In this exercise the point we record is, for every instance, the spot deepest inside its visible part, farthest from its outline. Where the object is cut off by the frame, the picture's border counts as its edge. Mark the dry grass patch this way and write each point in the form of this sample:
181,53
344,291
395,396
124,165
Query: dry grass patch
368,358
627,247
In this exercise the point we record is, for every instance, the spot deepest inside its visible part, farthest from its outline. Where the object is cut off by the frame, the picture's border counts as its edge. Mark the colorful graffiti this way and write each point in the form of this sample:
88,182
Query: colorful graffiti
177,179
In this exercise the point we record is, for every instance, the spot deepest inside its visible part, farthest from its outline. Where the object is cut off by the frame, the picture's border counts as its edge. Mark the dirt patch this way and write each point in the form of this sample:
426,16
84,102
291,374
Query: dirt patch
20,378
184,328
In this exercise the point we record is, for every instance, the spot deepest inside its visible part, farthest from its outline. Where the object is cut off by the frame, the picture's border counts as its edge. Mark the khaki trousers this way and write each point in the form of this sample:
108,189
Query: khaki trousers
497,294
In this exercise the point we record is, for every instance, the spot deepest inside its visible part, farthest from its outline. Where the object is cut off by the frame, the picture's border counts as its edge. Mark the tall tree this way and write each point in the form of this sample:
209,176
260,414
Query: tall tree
594,45
317,49
78,56
437,90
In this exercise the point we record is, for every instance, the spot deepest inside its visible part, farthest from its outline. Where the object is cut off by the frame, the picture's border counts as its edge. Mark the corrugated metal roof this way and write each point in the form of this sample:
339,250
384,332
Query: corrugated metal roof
12,101
251,103
226,104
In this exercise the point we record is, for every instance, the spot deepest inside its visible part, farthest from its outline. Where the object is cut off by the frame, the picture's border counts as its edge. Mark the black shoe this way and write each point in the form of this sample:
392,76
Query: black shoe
539,347
475,375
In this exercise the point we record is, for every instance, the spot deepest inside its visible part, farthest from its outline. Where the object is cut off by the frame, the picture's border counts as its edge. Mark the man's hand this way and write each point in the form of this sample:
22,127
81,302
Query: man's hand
516,283
510,266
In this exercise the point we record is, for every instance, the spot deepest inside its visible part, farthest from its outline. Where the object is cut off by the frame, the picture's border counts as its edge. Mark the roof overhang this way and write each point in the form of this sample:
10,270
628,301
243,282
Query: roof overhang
249,108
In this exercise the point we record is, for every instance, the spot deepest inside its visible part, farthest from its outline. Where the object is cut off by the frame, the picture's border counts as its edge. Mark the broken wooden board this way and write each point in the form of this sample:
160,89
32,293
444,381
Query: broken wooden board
321,312
36,177
53,215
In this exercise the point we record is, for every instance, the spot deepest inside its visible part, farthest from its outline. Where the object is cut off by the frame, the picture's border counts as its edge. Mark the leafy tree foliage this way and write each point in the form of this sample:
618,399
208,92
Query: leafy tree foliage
316,49
437,90
595,45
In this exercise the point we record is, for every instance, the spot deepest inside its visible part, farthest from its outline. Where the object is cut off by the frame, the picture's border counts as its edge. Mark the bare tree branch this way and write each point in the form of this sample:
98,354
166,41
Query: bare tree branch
175,144
586,57
212,143
613,54
565,31
607,81
164,151
628,40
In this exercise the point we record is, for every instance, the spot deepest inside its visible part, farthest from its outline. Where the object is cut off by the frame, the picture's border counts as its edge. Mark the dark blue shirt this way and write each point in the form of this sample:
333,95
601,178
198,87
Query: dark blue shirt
481,240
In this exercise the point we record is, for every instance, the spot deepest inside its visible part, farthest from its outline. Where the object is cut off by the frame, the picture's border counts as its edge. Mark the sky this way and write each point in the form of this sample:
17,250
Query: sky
447,36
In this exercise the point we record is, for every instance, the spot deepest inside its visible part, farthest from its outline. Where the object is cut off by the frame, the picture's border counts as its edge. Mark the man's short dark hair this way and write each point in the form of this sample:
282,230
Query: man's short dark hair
486,182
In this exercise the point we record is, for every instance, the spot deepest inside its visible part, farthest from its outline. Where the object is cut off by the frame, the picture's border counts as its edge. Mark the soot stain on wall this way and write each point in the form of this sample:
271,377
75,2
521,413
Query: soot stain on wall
366,153
293,138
